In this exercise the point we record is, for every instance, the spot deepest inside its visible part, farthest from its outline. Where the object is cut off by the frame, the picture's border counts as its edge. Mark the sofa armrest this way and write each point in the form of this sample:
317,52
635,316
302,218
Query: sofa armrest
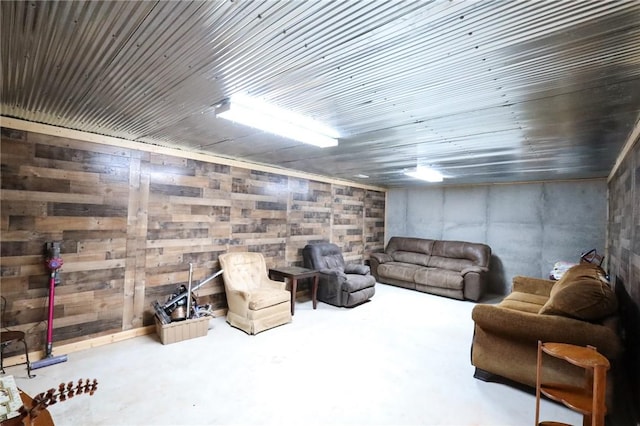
531,327
478,269
352,268
381,257
537,286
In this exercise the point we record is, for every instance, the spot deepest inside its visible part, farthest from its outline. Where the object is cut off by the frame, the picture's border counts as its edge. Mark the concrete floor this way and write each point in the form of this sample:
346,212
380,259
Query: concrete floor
401,359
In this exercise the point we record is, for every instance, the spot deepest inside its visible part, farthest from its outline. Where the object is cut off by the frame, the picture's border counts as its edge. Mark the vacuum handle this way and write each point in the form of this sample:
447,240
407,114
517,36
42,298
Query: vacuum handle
180,296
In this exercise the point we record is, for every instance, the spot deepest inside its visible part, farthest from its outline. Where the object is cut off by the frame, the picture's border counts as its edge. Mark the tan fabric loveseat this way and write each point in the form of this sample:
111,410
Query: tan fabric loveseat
454,269
579,309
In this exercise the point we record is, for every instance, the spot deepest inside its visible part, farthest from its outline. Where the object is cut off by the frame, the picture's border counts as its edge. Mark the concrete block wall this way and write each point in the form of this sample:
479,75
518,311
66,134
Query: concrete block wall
528,226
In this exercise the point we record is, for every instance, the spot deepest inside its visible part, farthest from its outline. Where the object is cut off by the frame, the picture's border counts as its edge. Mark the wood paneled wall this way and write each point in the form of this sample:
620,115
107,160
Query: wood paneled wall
623,247
131,220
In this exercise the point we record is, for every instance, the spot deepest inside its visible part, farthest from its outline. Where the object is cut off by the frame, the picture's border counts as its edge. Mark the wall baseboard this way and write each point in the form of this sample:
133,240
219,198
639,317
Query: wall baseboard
89,343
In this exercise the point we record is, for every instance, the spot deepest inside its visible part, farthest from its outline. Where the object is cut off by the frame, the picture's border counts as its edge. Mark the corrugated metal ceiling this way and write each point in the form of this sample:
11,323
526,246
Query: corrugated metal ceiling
485,91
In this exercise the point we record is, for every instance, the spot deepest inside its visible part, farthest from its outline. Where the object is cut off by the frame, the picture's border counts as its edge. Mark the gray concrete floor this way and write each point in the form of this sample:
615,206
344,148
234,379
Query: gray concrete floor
401,359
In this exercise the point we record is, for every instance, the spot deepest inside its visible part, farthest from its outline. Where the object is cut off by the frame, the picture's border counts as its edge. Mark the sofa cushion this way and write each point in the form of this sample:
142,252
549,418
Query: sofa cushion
398,271
417,245
449,263
439,278
582,293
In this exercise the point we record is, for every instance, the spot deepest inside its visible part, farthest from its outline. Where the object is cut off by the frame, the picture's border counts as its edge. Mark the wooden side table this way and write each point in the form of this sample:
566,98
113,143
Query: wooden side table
588,400
296,273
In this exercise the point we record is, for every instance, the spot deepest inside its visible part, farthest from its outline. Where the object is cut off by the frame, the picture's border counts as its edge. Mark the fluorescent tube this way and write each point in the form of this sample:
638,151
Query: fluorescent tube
261,115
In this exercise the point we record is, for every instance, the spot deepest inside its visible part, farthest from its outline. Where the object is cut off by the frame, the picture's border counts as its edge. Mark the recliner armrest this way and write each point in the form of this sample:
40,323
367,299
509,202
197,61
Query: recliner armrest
333,273
547,328
353,268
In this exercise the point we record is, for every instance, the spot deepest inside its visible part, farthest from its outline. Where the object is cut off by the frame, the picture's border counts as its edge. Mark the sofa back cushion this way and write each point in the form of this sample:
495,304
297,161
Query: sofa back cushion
448,263
476,253
410,257
583,293
407,244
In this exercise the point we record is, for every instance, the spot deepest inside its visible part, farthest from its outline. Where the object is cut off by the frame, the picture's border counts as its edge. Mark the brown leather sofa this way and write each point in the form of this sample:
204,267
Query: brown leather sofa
454,269
579,309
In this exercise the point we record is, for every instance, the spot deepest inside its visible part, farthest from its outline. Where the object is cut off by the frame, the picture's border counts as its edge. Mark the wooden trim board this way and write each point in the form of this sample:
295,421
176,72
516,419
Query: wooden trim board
46,129
90,343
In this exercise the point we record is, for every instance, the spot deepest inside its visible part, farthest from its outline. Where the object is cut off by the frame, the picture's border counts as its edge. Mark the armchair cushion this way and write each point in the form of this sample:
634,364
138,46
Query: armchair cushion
582,293
260,299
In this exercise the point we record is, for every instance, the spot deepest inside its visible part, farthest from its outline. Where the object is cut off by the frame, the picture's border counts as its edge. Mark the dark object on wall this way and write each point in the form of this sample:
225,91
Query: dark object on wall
54,263
340,284
8,337
591,256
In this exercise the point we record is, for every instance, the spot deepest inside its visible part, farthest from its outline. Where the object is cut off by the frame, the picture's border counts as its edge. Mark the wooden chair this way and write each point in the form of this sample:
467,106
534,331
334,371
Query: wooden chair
8,337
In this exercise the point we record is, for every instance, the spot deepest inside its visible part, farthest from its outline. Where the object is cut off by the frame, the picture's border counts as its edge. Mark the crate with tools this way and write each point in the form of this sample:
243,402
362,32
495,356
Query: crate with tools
181,317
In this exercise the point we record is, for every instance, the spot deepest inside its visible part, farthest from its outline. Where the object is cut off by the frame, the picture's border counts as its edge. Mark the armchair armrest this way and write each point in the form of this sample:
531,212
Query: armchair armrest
238,301
530,327
381,257
333,273
537,286
277,285
352,268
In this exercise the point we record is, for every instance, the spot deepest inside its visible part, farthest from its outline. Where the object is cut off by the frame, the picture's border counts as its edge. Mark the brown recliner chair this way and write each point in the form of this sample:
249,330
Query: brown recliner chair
256,303
340,284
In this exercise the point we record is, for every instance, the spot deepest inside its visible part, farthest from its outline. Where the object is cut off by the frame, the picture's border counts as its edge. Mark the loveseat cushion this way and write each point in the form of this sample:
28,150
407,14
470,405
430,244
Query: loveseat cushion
524,302
582,293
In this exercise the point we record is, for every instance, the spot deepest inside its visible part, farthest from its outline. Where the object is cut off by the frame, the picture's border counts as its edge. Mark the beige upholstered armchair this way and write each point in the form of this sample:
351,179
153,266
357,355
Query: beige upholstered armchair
256,303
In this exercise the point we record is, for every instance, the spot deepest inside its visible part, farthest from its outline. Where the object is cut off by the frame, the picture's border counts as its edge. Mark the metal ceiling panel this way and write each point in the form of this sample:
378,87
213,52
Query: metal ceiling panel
485,91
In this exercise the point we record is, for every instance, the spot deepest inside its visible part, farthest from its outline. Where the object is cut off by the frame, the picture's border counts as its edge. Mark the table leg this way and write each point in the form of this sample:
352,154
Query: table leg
314,292
294,288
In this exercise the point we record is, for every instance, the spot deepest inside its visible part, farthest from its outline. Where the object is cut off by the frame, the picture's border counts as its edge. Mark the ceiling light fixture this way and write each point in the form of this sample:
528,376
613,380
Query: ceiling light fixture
270,118
426,173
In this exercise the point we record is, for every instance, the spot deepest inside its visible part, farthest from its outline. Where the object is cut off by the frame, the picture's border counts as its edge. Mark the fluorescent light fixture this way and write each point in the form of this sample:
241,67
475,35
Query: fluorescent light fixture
253,112
361,176
426,173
